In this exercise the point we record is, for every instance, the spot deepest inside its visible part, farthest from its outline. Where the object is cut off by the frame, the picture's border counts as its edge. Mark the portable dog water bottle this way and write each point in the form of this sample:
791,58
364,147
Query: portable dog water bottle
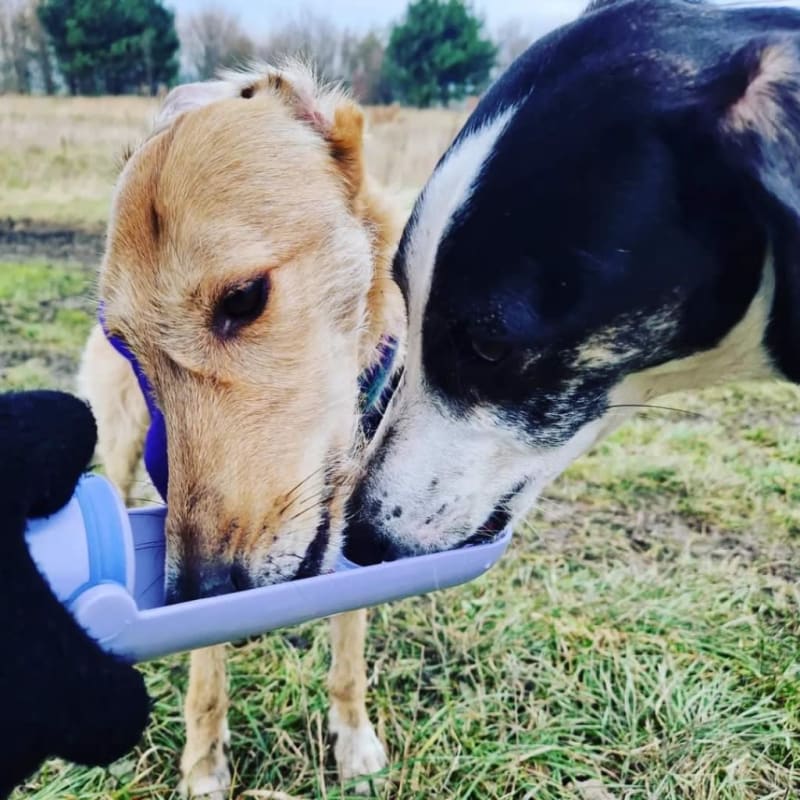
106,565
85,551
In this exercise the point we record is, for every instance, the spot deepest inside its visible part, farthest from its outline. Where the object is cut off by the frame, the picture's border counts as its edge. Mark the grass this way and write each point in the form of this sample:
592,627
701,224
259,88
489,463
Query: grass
59,156
639,641
642,634
45,315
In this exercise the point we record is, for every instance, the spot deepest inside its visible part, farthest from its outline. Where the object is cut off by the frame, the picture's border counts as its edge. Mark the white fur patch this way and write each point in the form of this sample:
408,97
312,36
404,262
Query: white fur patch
358,751
213,785
190,96
313,100
447,191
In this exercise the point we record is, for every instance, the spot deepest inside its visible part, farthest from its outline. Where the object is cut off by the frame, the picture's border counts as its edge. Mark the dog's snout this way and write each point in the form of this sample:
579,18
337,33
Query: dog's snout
215,579
365,544
208,580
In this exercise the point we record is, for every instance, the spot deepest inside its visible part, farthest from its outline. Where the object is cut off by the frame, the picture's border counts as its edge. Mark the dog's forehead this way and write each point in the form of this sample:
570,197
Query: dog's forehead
600,73
618,60
224,191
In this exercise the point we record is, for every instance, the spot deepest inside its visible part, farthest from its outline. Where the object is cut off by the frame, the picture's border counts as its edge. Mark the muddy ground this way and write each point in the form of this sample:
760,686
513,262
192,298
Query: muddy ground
26,240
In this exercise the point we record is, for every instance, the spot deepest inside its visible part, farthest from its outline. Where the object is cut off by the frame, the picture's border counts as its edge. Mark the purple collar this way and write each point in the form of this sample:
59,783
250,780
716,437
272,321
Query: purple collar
377,384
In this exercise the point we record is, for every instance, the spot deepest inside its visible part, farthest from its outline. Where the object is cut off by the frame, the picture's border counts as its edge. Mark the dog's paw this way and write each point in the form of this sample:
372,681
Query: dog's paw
208,778
358,751
206,787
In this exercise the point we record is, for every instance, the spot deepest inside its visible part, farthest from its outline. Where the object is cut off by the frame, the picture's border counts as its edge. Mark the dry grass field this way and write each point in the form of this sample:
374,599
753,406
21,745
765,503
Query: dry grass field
59,157
640,642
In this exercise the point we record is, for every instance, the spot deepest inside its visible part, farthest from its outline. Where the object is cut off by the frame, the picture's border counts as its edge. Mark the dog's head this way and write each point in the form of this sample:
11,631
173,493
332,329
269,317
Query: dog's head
618,219
248,271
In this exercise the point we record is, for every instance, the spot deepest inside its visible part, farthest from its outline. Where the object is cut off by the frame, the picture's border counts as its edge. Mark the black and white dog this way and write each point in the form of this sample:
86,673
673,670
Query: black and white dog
618,219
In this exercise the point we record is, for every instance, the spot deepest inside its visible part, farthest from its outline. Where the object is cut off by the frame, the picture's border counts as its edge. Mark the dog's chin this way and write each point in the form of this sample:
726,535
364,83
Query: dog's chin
273,568
366,545
318,559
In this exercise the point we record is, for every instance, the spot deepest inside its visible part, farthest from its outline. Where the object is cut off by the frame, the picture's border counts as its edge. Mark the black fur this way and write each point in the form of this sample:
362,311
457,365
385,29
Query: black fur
648,171
60,695
315,553
614,198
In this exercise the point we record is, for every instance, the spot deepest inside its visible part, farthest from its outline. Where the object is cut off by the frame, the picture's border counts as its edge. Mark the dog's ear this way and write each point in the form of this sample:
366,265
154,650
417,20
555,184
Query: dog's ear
760,128
757,124
326,109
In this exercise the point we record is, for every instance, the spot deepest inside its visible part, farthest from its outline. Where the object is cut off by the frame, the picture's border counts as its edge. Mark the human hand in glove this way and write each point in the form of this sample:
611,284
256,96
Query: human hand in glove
60,694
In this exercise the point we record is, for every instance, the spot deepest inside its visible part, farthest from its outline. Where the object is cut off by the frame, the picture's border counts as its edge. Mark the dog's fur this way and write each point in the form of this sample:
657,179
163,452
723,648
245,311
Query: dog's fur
258,177
618,219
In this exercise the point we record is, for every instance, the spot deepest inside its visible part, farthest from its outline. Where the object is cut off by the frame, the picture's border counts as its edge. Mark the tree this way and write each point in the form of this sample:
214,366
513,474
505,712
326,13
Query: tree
26,63
14,48
363,67
310,37
437,53
213,38
112,46
337,54
513,39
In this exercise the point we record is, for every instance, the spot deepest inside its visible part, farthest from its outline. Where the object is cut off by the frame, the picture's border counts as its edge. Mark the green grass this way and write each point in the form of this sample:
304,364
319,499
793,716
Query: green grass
642,634
45,315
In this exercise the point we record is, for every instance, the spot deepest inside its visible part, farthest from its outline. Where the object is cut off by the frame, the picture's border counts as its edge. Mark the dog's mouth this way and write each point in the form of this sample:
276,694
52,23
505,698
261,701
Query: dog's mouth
495,524
498,520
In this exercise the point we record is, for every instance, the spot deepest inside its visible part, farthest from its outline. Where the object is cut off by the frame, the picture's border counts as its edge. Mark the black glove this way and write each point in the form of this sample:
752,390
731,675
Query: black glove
60,694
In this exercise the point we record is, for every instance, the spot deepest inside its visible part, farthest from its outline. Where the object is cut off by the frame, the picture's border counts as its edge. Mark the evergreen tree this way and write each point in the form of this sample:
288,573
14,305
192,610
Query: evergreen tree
438,54
112,46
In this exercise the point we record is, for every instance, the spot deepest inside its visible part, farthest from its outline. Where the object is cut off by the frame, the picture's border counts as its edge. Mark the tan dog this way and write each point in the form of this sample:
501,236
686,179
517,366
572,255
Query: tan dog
248,269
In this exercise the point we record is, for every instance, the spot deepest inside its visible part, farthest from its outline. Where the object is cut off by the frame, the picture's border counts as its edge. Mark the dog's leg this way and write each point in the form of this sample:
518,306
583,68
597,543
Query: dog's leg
107,382
357,748
204,764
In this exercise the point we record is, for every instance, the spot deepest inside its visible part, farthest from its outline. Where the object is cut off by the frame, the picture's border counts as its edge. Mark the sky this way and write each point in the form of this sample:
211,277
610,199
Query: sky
537,16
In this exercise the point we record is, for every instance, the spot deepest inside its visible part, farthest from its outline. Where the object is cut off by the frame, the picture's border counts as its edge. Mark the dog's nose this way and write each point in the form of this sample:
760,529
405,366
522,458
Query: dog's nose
365,544
208,580
214,580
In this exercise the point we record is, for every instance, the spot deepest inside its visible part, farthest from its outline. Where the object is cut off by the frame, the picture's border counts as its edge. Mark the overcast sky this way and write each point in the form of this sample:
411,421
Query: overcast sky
536,16
257,15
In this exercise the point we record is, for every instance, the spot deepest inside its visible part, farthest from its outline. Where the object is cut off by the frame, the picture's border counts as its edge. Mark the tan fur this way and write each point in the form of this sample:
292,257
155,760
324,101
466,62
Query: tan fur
204,764
357,748
759,108
257,174
740,356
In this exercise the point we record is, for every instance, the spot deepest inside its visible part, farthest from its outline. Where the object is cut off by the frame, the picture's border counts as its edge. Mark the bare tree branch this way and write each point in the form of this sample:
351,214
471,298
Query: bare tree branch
214,38
26,63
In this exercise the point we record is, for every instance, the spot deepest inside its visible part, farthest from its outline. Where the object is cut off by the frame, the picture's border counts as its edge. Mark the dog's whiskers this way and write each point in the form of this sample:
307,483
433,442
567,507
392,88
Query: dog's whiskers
651,407
305,480
315,506
324,490
291,498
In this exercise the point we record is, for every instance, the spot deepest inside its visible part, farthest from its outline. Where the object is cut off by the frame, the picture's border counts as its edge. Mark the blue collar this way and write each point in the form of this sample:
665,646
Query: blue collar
376,385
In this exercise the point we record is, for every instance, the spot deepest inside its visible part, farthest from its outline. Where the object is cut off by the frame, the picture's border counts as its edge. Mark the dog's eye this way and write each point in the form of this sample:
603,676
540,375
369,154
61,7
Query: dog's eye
493,351
241,305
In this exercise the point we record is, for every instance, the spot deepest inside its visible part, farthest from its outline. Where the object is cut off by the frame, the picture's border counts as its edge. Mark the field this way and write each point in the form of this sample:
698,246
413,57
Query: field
640,641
